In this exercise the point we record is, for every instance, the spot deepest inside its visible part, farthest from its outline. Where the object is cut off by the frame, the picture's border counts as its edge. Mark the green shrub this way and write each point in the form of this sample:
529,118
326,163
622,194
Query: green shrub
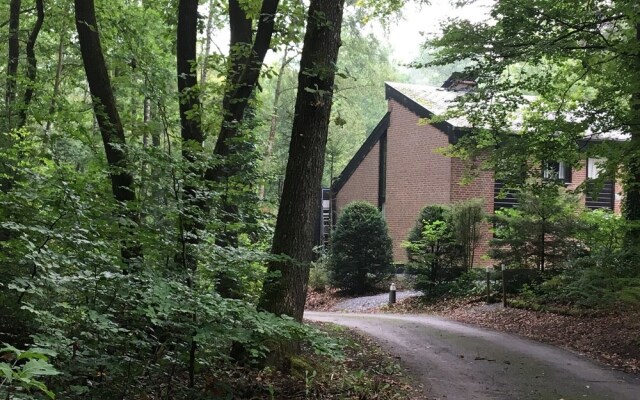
540,233
361,253
434,255
466,217
319,274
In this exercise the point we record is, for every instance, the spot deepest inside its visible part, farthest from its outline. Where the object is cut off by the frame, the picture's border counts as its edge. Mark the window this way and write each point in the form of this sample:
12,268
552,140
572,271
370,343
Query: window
557,170
594,167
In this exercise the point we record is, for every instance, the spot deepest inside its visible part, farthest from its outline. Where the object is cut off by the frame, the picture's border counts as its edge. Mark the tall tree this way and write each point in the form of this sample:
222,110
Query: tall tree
192,141
13,57
245,62
298,213
191,131
108,119
32,62
246,55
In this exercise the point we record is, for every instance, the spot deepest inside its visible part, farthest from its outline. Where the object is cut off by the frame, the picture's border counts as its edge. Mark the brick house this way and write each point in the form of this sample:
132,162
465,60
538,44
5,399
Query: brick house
399,169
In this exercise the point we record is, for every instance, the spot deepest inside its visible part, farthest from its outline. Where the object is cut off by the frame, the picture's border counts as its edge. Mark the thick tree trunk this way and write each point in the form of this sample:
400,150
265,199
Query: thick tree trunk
300,203
12,59
107,118
631,207
32,62
193,205
191,131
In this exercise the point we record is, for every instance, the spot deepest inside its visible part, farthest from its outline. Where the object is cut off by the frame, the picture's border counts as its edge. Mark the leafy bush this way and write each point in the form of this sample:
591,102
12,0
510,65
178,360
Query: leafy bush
26,370
466,217
319,274
434,255
540,233
361,253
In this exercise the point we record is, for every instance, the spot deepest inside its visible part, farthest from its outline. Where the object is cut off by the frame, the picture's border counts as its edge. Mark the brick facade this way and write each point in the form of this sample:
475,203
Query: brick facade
416,175
363,184
481,187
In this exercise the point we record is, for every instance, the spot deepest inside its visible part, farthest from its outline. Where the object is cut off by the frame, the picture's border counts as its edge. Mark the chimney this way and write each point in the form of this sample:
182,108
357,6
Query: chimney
459,82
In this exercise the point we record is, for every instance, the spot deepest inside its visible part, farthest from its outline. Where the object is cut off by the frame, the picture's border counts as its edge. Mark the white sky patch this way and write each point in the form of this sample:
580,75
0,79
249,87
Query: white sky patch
408,34
405,34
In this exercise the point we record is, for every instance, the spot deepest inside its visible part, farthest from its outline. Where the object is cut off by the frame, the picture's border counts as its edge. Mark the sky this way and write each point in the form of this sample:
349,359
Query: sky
407,34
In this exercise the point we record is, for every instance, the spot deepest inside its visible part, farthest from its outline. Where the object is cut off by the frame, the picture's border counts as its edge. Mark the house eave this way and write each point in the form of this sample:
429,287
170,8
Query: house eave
453,132
361,154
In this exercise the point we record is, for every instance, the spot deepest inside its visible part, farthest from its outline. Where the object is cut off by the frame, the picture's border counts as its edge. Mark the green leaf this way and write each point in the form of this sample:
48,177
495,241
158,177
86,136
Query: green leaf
5,370
36,367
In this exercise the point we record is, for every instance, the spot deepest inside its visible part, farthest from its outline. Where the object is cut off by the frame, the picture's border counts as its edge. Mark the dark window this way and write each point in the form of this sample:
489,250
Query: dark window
503,197
599,194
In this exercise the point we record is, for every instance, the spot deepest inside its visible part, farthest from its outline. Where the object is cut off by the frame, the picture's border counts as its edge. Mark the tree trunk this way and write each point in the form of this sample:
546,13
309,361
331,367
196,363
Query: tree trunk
191,131
300,203
246,57
631,207
193,205
32,62
13,58
108,119
146,120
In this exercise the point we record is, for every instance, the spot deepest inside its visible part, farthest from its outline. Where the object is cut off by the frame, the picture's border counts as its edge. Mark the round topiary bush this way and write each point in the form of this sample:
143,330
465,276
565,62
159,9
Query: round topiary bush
361,255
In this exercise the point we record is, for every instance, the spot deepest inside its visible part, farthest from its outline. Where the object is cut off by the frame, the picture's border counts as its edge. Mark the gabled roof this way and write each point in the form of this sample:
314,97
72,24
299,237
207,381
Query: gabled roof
362,152
433,100
426,102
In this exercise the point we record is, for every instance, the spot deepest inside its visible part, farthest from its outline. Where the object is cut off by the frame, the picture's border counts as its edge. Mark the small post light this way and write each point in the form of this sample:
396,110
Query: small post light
504,287
392,294
488,285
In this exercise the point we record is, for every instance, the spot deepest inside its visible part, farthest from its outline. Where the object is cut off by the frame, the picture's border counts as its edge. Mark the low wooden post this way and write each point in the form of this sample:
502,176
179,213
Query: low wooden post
488,285
504,288
392,294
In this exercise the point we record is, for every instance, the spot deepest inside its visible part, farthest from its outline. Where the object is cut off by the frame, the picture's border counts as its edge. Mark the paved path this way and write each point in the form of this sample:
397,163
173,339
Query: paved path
369,302
459,362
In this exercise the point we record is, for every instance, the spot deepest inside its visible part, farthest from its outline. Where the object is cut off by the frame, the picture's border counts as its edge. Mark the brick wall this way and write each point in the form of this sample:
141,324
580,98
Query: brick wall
363,183
578,176
416,175
481,187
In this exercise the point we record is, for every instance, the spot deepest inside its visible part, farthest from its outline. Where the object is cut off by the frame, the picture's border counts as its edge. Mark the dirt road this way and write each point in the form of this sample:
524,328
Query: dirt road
459,362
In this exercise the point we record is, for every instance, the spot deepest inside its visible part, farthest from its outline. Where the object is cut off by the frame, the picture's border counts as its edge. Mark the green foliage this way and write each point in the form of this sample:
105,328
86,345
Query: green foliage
361,252
122,332
603,274
319,274
434,254
551,74
466,217
25,370
539,232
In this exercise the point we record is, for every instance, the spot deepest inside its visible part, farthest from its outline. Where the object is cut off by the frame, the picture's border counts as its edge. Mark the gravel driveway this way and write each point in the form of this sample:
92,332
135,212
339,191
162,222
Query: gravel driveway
360,304
460,362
